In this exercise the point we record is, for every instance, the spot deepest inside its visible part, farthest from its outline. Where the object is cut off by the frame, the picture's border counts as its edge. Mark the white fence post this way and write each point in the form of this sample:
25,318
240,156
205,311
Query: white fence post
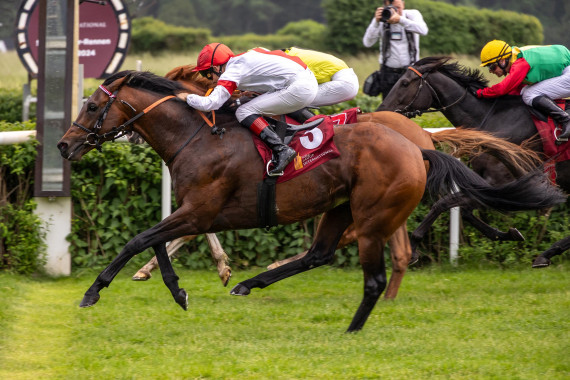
454,214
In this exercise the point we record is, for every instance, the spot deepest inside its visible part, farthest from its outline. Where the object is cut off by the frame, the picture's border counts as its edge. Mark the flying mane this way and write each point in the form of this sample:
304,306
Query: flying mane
472,78
147,81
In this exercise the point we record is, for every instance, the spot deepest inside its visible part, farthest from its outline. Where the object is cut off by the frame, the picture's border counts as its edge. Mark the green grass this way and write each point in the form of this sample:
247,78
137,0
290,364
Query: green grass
445,324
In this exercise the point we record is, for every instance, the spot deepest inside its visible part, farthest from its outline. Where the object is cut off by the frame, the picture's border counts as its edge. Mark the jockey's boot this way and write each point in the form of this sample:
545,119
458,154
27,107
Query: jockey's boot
301,115
545,104
282,153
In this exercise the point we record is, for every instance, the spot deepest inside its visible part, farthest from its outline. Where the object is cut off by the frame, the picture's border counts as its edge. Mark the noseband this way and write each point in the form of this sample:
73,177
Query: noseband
423,80
94,138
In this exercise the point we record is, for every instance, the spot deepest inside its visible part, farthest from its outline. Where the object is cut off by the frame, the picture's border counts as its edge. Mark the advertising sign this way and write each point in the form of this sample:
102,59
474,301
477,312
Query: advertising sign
104,35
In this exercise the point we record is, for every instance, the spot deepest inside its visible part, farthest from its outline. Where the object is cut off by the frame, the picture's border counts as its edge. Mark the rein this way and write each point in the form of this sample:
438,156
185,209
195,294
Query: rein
94,138
423,80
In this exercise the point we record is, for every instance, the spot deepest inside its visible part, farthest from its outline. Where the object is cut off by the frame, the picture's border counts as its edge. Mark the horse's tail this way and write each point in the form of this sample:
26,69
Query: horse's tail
466,142
529,192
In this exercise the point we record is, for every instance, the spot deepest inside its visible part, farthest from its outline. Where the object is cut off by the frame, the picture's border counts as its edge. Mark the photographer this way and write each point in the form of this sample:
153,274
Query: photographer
398,31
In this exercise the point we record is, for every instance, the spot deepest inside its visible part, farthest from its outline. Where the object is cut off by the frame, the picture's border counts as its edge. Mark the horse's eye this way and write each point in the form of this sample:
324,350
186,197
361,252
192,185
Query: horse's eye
405,82
92,107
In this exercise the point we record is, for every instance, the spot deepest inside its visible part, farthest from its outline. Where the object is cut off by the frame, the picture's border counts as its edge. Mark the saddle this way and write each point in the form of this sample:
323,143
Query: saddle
314,144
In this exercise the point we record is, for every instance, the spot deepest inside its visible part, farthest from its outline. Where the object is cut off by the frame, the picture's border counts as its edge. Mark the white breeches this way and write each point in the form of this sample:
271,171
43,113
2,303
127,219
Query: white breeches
554,88
299,94
342,87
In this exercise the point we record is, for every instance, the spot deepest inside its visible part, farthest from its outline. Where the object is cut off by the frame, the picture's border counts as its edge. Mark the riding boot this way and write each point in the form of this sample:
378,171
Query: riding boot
301,115
545,104
282,153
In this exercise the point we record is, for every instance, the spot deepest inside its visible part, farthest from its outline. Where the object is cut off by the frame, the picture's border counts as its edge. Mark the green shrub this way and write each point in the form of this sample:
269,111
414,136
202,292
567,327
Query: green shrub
21,237
116,195
11,106
310,34
452,29
154,36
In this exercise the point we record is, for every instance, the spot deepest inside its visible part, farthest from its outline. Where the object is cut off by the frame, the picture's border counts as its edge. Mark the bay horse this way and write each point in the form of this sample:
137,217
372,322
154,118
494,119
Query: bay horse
375,183
433,84
459,142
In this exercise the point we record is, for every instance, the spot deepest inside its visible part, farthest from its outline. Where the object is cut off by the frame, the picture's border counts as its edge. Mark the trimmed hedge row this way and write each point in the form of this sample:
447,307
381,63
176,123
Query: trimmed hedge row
116,194
452,29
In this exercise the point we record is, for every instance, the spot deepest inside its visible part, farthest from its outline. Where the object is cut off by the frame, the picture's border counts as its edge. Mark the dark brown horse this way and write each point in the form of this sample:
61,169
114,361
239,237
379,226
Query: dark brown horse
458,142
376,183
433,84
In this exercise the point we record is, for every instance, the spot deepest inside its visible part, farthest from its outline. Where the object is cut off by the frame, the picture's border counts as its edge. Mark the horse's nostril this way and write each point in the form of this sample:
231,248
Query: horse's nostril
61,146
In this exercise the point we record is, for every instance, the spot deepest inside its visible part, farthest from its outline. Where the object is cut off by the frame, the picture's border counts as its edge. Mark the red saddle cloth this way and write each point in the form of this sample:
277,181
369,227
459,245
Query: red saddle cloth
551,149
313,146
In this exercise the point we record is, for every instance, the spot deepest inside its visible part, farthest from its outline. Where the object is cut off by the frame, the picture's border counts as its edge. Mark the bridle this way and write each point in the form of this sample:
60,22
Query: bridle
94,138
423,81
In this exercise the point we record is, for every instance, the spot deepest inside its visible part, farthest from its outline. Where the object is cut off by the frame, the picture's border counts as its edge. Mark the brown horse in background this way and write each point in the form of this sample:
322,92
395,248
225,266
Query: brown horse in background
458,142
376,183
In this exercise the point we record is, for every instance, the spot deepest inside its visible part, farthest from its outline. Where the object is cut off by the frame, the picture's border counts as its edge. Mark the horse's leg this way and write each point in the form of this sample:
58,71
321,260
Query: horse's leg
492,233
349,236
435,211
371,252
221,258
543,260
144,273
168,229
287,260
332,225
169,276
400,252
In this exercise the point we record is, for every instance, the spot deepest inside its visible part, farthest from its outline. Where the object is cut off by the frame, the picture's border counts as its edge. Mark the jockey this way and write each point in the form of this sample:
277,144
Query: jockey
337,82
538,73
284,82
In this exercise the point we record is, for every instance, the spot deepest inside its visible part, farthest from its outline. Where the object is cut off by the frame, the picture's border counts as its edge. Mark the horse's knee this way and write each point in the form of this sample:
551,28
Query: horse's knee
374,286
315,259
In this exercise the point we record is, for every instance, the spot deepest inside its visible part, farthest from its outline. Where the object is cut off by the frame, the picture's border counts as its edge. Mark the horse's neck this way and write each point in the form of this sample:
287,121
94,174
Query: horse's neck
506,118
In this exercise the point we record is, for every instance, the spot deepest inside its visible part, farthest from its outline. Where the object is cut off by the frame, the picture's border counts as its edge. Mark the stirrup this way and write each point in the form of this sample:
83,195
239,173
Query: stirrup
274,174
559,140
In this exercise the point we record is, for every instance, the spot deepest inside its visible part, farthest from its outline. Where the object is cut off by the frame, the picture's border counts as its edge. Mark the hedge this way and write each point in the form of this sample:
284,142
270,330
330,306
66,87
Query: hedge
452,29
116,194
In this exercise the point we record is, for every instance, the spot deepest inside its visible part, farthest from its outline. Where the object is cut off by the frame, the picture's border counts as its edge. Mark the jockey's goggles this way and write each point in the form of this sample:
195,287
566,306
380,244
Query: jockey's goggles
207,73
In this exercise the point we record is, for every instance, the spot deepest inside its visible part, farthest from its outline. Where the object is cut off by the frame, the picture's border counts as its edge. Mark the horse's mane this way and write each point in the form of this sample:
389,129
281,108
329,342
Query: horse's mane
186,74
472,78
147,81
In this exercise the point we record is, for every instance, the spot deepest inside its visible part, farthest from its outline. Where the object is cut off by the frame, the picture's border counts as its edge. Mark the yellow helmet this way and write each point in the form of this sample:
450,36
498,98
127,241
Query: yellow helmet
494,51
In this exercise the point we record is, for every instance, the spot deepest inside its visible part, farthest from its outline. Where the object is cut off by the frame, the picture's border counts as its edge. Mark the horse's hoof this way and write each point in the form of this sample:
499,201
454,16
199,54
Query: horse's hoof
225,277
240,290
515,234
541,262
89,299
414,259
142,275
182,299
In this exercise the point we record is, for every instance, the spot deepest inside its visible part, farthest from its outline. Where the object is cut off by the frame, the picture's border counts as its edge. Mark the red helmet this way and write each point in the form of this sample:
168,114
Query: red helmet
213,55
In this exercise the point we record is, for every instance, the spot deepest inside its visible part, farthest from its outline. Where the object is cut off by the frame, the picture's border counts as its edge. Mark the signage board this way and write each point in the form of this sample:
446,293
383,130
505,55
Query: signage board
104,35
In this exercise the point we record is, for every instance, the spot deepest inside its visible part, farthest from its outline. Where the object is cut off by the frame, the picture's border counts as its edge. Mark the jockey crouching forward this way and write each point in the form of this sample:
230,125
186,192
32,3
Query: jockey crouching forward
539,73
337,82
284,82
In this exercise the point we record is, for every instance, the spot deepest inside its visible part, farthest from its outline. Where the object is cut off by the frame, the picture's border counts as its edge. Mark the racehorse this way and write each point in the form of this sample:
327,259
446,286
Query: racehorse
434,84
375,183
461,142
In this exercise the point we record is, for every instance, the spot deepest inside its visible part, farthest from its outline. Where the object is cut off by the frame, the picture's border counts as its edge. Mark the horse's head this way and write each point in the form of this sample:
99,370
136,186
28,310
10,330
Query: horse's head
111,110
428,82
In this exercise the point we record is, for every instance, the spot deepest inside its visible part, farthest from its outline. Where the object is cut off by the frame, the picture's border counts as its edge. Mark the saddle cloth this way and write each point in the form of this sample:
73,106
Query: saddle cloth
313,146
551,149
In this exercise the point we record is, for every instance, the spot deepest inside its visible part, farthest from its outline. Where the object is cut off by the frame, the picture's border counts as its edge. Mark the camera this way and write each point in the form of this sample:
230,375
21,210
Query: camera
387,13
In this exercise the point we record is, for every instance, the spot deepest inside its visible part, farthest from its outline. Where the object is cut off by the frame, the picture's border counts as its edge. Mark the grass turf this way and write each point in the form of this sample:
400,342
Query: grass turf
445,323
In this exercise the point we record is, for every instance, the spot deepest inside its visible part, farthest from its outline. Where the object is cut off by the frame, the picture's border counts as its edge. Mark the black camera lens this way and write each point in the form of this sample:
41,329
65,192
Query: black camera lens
386,13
